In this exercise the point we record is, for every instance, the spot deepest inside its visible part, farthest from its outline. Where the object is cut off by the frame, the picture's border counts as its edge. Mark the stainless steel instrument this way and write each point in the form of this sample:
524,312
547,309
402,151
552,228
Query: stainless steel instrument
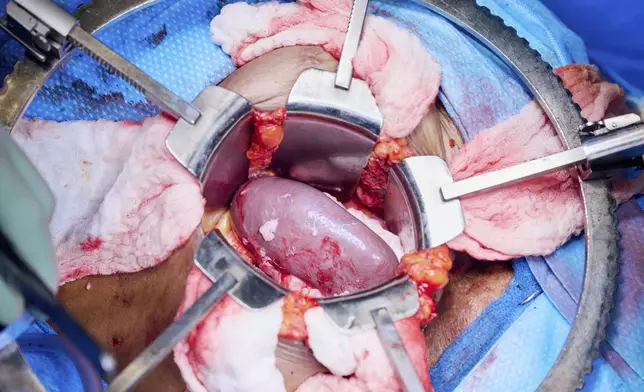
46,29
179,329
616,142
351,100
329,101
219,139
596,302
375,308
231,275
602,253
214,151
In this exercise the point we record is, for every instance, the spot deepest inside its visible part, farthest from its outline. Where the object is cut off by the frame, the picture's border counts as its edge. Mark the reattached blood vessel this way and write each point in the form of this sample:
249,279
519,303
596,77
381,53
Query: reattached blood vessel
373,181
313,238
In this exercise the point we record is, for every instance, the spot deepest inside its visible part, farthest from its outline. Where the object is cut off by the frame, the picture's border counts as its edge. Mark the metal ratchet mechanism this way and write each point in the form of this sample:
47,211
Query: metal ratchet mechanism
46,31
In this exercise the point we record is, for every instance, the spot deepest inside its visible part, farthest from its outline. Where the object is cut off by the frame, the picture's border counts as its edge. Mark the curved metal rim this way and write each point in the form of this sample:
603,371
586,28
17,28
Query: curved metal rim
596,302
28,77
602,253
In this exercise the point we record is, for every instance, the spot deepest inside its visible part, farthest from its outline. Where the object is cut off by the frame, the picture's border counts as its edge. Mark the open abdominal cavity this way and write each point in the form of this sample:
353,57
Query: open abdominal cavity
315,246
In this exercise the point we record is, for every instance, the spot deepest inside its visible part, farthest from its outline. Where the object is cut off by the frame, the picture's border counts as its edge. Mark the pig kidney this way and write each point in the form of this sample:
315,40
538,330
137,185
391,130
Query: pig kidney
310,236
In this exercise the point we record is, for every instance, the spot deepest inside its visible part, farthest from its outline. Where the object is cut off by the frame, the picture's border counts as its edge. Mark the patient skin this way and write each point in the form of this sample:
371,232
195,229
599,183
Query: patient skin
140,305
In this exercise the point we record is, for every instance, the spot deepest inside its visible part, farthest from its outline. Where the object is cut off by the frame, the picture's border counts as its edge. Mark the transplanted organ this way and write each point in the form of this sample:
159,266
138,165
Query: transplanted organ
314,245
312,237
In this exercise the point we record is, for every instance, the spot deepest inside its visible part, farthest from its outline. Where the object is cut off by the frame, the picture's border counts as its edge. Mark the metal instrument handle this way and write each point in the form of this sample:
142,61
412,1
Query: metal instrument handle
344,73
161,347
608,150
393,345
152,89
514,174
50,16
19,275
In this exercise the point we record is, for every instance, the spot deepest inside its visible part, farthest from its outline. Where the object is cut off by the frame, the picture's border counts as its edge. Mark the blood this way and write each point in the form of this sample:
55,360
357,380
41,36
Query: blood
83,87
168,116
91,244
356,204
126,302
76,274
330,252
117,341
57,94
375,176
331,248
131,123
111,98
425,289
157,38
324,280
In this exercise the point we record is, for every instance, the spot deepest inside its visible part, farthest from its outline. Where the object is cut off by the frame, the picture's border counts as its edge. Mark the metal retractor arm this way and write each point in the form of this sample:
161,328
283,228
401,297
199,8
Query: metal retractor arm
45,30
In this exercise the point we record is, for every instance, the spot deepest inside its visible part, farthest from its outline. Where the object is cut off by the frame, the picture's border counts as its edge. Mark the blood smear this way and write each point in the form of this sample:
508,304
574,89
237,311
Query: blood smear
91,244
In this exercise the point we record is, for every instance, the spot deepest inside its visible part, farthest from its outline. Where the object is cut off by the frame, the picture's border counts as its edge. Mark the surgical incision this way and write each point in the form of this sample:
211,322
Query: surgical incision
314,245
